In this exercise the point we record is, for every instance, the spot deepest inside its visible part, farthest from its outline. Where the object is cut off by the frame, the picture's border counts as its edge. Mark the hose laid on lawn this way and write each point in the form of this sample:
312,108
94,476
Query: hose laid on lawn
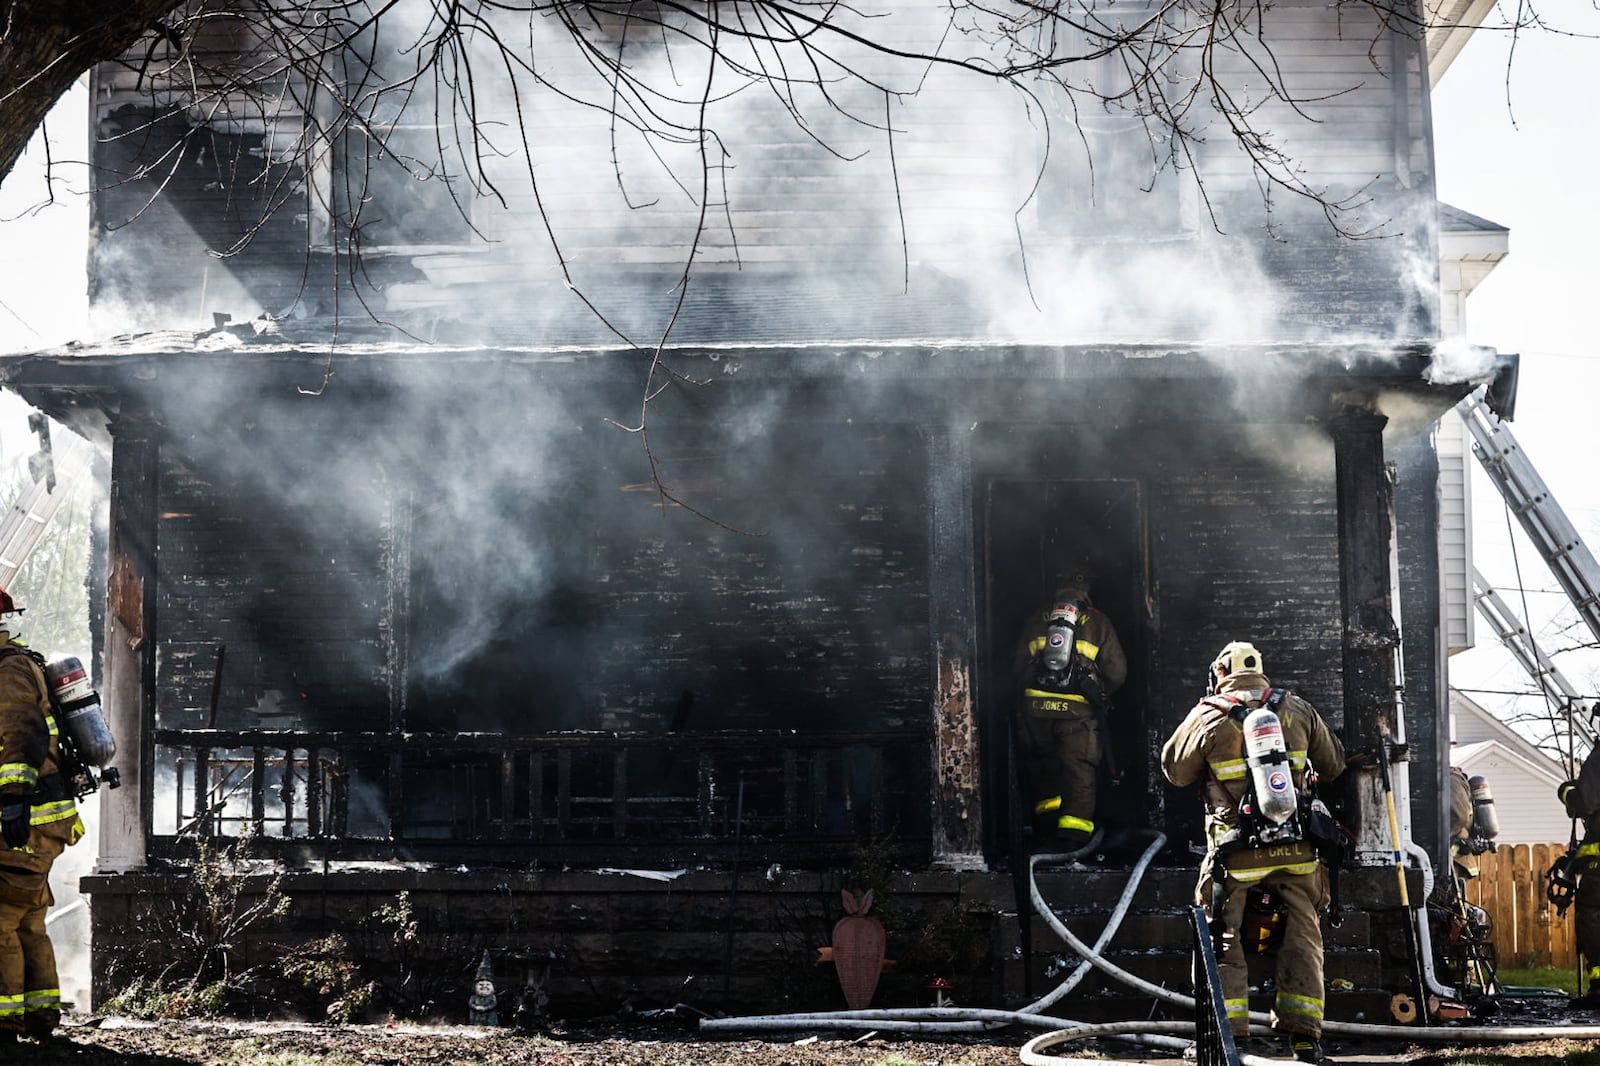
1063,1030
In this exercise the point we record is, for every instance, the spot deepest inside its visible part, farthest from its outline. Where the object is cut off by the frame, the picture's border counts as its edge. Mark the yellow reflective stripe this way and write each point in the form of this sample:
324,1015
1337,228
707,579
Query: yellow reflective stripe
1237,1008
18,773
50,723
1083,647
1303,1006
42,999
1047,805
1256,873
1588,849
1229,769
1071,821
45,813
10,1006
1048,696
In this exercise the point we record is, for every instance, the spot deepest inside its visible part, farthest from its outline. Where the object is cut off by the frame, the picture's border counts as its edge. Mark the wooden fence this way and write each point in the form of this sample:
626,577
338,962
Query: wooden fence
1523,924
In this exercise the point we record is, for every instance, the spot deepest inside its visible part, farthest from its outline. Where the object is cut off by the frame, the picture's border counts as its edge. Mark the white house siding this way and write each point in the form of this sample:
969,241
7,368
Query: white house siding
1523,778
1524,793
1455,534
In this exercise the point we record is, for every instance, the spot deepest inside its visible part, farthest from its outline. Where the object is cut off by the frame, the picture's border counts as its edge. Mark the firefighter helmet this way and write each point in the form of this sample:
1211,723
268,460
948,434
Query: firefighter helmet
8,605
1239,657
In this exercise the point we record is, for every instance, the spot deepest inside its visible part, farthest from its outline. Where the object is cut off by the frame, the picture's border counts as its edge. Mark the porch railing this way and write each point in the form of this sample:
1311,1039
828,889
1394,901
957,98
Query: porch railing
601,797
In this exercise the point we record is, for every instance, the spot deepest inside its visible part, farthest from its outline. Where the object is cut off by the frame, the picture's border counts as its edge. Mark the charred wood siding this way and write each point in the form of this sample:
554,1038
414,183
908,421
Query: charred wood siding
293,595
1241,555
814,617
1427,712
172,202
965,218
529,605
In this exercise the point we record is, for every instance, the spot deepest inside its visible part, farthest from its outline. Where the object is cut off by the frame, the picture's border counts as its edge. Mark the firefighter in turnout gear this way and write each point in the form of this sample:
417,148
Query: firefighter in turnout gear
1581,798
38,820
1248,747
1069,662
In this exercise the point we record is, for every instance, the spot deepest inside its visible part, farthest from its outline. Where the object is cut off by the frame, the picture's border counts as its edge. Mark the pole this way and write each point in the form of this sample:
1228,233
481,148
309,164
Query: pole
1412,943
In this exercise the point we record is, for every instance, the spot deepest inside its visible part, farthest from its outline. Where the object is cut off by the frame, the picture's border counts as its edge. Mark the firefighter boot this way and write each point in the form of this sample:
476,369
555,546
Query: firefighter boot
1306,1048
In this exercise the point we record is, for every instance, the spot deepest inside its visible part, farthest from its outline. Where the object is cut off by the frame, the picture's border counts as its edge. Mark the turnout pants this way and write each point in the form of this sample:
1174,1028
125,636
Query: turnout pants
1297,969
30,995
1060,757
1586,921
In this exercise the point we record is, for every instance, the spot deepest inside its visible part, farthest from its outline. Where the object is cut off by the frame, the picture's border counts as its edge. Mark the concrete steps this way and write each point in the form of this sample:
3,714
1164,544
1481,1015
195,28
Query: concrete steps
1154,941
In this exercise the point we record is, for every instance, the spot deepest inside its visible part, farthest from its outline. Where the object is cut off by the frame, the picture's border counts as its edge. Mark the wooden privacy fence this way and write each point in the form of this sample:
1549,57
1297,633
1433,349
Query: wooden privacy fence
1523,925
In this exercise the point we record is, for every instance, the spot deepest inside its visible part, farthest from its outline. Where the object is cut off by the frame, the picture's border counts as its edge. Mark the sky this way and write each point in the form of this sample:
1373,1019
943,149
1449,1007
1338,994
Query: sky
1515,144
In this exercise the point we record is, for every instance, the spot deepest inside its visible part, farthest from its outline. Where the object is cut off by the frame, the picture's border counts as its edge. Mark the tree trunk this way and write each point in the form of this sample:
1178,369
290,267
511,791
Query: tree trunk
46,45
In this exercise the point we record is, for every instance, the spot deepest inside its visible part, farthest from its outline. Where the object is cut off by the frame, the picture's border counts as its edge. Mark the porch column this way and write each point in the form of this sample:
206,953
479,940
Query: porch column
952,616
1371,637
129,696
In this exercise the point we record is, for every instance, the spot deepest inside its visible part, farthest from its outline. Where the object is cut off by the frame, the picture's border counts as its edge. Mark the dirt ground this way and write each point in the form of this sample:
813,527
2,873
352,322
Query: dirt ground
104,1041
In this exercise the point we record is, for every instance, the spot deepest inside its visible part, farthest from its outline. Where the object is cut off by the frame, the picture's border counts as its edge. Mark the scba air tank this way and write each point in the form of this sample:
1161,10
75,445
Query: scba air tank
1485,822
1268,760
85,723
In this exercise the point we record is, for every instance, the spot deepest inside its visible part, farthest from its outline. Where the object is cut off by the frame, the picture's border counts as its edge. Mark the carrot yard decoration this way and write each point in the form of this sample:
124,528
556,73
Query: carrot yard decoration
858,949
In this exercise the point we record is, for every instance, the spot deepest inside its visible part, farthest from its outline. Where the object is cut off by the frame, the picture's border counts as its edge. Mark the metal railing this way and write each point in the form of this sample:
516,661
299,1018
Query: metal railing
1213,1036
594,795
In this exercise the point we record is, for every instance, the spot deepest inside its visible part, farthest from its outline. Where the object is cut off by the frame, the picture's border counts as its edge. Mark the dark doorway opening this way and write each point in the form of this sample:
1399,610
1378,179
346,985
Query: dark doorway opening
1030,529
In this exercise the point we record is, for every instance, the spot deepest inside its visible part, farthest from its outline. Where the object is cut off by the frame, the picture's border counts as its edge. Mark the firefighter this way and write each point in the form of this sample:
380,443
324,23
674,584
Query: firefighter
1460,811
1245,851
1581,798
38,820
1069,662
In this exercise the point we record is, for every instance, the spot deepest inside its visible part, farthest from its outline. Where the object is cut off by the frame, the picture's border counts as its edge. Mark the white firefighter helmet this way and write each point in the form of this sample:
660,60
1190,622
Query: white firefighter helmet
1239,657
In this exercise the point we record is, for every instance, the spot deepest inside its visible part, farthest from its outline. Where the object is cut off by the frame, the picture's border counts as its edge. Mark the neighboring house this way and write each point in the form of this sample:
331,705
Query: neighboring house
393,596
1522,777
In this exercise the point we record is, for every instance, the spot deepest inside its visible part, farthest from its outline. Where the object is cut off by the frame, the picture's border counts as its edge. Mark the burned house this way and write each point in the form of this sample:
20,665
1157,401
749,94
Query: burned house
615,617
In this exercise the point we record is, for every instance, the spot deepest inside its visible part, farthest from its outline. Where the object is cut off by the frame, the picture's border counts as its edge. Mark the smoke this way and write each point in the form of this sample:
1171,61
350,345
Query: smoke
1456,362
870,198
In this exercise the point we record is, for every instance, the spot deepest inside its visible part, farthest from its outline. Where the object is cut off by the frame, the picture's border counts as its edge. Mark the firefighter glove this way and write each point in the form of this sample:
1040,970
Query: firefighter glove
14,823
1568,792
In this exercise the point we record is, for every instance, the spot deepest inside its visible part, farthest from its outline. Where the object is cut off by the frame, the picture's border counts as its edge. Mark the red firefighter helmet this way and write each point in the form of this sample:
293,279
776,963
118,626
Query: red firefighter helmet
8,605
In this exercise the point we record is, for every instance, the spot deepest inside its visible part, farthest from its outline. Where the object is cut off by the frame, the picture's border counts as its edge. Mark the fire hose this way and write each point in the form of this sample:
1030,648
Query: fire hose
1064,1030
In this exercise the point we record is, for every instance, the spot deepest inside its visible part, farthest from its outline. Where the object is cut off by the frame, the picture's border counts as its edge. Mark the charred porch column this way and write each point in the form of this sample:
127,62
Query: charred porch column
129,642
952,615
1371,638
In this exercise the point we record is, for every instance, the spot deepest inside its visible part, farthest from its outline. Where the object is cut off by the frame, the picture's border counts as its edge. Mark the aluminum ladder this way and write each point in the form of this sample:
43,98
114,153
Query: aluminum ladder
55,475
1514,634
1557,542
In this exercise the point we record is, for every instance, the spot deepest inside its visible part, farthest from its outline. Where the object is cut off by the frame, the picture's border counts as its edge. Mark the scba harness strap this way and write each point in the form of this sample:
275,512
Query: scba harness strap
54,787
1313,824
1239,709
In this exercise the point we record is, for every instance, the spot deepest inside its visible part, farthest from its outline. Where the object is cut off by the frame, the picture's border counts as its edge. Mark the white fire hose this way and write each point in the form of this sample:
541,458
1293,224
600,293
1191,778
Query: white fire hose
1063,1030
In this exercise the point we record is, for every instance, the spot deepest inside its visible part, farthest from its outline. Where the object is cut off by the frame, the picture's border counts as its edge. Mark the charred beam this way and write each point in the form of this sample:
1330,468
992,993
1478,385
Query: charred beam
1371,637
952,605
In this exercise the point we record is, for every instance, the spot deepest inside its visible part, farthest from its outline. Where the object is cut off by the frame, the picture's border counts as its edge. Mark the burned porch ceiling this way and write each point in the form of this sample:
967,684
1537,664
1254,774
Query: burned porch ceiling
87,386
